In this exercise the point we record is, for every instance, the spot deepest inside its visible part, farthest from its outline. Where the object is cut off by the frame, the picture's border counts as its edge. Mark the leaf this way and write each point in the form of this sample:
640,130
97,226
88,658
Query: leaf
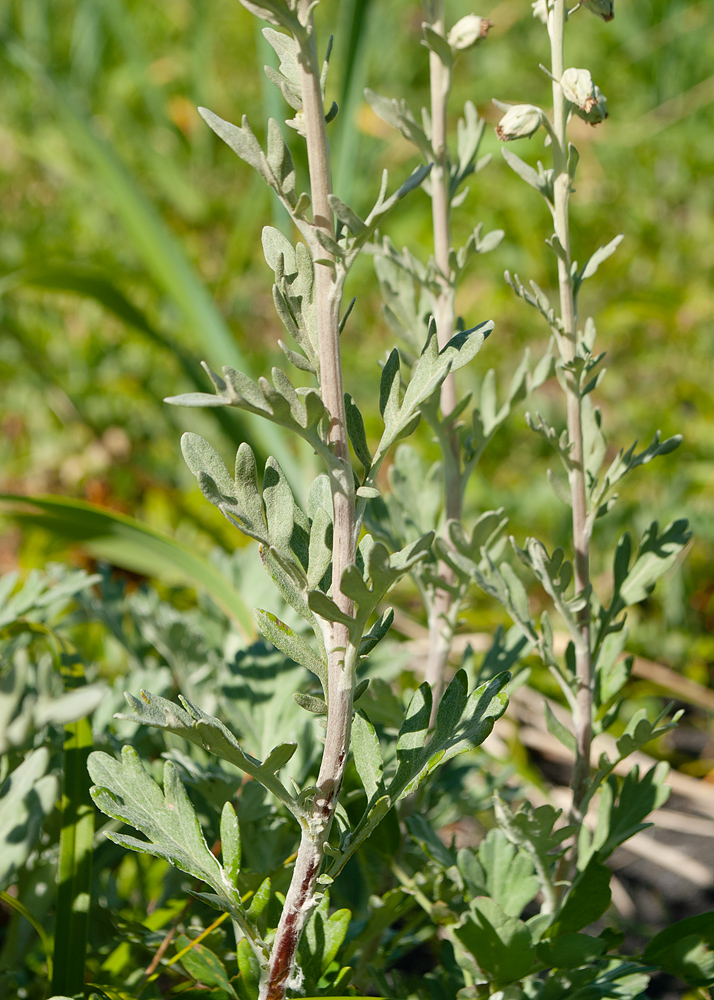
292,644
622,816
356,431
601,980
321,941
640,731
375,635
461,724
657,554
249,967
124,791
230,842
203,965
588,899
367,755
275,12
500,870
317,706
541,180
260,900
685,949
207,732
532,830
598,257
436,43
501,945
557,729
398,115
571,951
425,835
74,867
128,543
347,216
320,547
27,797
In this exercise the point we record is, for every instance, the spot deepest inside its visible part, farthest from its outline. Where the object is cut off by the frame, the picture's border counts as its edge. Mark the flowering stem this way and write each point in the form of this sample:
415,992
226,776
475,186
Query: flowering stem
301,895
441,619
567,344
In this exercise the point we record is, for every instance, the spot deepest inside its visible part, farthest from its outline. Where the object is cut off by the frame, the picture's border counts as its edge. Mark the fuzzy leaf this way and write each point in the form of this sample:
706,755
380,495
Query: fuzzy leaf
207,732
124,791
357,434
230,843
462,723
499,870
290,643
501,945
367,755
657,554
27,797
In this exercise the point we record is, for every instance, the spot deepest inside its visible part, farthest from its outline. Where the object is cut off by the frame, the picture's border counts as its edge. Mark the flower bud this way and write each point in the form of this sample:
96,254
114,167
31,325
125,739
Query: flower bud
468,32
520,122
586,98
603,8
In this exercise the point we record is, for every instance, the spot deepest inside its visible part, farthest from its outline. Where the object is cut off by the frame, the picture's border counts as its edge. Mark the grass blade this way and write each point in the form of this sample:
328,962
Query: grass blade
160,251
90,283
74,871
126,542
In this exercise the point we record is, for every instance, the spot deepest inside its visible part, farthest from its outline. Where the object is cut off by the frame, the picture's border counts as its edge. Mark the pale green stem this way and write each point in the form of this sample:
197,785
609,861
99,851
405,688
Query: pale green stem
440,620
562,182
300,898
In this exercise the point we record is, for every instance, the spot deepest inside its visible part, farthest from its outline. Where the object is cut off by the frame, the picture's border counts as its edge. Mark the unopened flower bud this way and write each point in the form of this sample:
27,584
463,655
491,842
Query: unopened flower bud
468,32
519,122
586,98
603,8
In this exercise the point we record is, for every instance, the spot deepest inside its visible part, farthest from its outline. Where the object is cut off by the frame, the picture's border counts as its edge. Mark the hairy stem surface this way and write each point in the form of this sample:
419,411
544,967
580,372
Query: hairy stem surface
300,898
581,539
440,619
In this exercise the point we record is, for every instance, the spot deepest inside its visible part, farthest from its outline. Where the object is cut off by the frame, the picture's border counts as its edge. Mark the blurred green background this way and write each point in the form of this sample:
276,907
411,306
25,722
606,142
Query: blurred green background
129,250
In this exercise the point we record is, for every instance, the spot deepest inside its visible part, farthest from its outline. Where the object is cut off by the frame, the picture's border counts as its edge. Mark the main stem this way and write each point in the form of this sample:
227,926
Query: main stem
581,534
440,620
300,898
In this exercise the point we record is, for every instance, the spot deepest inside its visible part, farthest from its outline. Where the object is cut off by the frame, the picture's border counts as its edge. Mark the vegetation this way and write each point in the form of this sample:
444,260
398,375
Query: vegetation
359,833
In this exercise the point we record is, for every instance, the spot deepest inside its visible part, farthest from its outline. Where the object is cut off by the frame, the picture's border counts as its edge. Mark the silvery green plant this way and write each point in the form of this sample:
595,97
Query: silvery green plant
534,858
592,672
414,292
332,574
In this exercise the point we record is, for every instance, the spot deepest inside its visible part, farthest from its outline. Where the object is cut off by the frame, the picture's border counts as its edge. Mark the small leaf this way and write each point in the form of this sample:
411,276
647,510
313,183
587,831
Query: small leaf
230,842
317,706
599,256
557,729
347,216
290,643
357,434
367,754
587,901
